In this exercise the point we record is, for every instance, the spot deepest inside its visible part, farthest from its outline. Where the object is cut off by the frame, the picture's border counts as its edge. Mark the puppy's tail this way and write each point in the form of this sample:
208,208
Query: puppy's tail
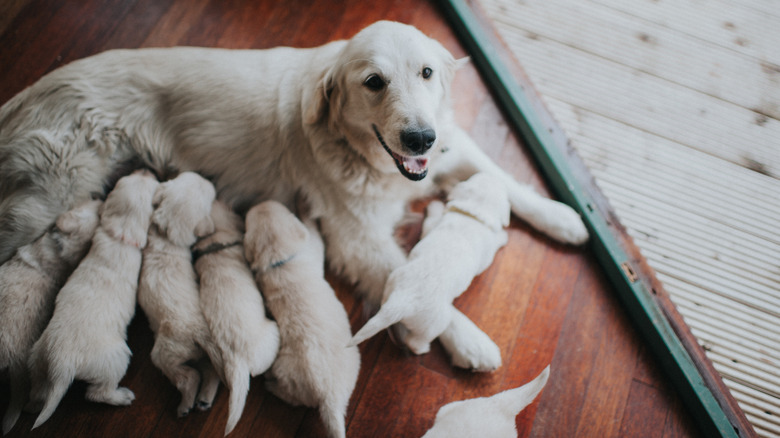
515,400
57,388
237,381
332,415
389,314
20,388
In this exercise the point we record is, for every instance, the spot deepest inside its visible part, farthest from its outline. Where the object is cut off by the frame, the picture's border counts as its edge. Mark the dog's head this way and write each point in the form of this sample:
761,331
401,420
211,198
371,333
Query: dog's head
228,227
273,235
182,208
484,197
387,93
127,210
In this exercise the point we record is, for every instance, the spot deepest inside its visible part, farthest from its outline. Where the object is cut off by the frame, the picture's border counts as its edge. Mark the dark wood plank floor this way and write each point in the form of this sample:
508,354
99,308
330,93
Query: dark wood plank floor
541,302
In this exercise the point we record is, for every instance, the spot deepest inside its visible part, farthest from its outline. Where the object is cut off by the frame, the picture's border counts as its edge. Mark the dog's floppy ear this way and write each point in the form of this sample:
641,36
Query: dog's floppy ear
316,106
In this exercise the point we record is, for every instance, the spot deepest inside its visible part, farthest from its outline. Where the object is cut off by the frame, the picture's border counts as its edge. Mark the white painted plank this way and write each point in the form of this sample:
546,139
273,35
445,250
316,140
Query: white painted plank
745,29
658,50
649,103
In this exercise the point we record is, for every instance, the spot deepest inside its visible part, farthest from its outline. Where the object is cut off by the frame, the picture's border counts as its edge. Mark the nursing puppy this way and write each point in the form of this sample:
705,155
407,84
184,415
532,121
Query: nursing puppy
86,337
29,282
487,416
459,241
359,127
233,307
314,367
168,289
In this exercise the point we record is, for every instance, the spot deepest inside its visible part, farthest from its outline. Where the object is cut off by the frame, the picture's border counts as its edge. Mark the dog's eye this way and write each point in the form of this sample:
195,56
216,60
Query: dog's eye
374,82
427,72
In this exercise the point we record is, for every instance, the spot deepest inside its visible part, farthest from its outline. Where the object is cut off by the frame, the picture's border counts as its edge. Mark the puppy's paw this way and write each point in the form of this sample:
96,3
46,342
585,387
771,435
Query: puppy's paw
561,222
118,397
468,346
484,358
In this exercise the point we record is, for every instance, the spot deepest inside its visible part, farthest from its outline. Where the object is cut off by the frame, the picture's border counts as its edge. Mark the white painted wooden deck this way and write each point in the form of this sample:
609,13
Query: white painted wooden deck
675,107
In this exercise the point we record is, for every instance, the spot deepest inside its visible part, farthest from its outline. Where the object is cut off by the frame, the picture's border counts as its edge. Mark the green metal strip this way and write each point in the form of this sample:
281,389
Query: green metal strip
638,300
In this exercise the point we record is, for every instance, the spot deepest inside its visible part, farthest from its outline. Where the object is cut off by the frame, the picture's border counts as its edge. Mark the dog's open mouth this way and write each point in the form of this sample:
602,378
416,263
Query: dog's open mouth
413,168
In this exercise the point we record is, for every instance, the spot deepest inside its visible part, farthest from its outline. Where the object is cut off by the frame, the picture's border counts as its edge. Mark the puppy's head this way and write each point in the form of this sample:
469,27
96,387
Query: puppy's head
76,228
127,210
273,235
228,227
484,197
388,93
182,208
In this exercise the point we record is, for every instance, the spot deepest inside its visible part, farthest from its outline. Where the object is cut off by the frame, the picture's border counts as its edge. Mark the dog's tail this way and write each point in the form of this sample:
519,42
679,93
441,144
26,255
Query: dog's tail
332,414
58,386
513,401
390,313
237,381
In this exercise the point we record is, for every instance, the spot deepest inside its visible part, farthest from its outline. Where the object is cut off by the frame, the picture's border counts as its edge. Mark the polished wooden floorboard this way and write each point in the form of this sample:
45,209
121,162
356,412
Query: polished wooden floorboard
540,301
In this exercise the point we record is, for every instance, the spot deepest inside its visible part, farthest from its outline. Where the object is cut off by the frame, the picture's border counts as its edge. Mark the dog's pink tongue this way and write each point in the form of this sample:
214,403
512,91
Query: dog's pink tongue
415,165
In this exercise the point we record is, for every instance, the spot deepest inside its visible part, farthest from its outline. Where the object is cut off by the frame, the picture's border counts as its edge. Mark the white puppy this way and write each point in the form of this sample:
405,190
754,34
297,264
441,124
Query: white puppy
486,416
28,285
314,367
233,307
86,337
168,289
458,243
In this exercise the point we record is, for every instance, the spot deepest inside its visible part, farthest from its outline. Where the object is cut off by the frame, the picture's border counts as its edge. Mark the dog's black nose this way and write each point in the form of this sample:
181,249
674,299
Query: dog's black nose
418,141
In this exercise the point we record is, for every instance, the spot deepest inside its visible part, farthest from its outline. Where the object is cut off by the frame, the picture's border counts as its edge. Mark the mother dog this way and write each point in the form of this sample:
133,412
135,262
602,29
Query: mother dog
358,127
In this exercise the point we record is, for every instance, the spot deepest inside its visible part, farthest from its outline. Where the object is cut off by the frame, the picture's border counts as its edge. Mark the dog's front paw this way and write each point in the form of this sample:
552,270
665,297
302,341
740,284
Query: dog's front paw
483,357
562,223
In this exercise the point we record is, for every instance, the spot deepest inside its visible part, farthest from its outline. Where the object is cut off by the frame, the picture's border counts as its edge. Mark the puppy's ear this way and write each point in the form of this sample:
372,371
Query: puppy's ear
316,107
204,227
460,63
68,222
483,197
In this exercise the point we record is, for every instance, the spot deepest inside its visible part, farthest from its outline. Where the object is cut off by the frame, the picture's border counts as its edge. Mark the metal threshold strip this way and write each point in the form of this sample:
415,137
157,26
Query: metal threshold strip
640,298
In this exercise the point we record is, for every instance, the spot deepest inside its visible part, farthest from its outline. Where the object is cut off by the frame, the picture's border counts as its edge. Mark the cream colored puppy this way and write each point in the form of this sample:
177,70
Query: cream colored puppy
168,289
458,243
28,285
486,416
314,367
86,337
233,307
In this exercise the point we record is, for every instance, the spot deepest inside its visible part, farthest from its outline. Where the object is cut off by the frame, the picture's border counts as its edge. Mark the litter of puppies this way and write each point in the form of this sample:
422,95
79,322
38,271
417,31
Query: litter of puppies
205,278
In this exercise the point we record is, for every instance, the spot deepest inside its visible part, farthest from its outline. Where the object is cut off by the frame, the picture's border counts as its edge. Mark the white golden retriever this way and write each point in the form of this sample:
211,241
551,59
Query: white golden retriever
168,289
314,367
354,125
492,416
233,307
29,282
86,337
459,241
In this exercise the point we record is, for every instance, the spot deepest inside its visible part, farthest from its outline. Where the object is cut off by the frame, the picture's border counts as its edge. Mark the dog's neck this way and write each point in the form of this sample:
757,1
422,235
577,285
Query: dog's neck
213,248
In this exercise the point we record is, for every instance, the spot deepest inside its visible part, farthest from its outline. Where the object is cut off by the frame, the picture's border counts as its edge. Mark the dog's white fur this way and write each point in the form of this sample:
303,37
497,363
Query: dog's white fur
233,307
459,241
86,337
492,416
264,124
314,367
168,289
29,282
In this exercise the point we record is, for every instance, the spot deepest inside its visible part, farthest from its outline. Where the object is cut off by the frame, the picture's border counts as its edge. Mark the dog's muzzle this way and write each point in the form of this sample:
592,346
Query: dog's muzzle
414,168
